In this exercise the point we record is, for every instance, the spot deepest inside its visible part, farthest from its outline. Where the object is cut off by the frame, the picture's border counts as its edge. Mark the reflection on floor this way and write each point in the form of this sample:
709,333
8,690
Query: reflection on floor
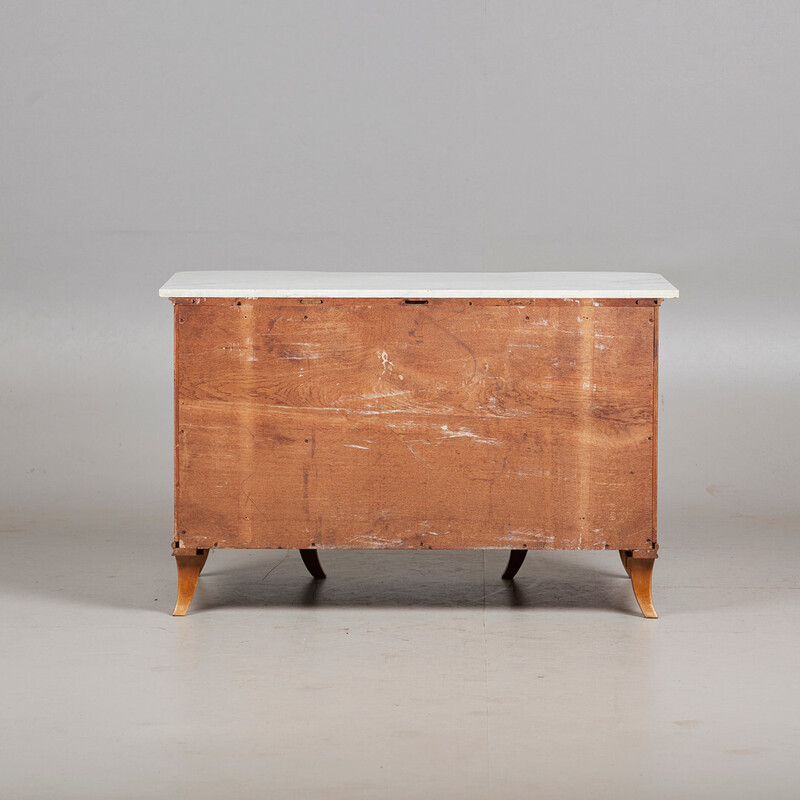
402,675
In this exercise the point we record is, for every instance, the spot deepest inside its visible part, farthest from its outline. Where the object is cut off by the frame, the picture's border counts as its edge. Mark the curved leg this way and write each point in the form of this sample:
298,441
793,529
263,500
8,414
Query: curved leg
311,560
624,555
642,578
189,569
515,560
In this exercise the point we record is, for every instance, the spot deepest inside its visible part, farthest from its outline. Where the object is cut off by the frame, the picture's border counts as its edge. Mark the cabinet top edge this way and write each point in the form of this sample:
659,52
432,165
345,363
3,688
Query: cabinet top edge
456,285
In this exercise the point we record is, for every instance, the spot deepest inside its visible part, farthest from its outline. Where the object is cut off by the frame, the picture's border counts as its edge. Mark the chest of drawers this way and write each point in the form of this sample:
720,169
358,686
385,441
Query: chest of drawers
416,410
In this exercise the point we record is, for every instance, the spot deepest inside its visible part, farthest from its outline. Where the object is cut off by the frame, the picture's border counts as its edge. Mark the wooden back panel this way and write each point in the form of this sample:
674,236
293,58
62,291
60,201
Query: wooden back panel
451,424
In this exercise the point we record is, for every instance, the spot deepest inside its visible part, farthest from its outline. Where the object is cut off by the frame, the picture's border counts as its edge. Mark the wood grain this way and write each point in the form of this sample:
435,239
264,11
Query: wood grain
189,569
641,572
450,424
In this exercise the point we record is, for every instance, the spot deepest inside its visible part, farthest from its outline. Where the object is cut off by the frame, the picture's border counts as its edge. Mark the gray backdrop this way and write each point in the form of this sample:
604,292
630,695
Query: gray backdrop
141,138
137,139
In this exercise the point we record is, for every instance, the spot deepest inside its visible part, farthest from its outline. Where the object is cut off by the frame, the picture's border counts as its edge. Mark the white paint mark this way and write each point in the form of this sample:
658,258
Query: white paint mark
381,395
524,345
384,357
377,540
357,446
498,411
468,434
366,413
526,535
424,412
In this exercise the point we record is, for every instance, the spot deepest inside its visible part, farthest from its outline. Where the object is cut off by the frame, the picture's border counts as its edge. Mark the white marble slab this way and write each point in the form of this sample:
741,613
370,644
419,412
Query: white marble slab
265,283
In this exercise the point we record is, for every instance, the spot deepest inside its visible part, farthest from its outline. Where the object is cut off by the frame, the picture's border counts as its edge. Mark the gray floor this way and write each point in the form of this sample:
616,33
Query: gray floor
404,675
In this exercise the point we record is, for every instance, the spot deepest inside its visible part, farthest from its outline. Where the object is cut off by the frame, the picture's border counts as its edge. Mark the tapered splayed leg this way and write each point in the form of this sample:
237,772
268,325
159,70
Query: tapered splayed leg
641,570
311,560
189,569
515,560
624,555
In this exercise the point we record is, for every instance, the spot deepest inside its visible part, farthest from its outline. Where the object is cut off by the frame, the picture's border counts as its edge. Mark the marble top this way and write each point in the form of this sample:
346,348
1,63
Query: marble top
266,283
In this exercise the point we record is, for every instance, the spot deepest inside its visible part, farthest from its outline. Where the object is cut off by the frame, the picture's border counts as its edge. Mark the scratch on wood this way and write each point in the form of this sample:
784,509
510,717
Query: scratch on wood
413,452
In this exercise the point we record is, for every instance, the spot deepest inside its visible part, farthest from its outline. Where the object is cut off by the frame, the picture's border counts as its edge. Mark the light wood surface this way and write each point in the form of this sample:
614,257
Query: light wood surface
189,569
641,572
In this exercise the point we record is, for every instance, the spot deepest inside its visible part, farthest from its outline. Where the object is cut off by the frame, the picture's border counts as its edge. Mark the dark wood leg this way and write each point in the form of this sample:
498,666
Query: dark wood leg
624,556
189,569
515,560
641,570
311,560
